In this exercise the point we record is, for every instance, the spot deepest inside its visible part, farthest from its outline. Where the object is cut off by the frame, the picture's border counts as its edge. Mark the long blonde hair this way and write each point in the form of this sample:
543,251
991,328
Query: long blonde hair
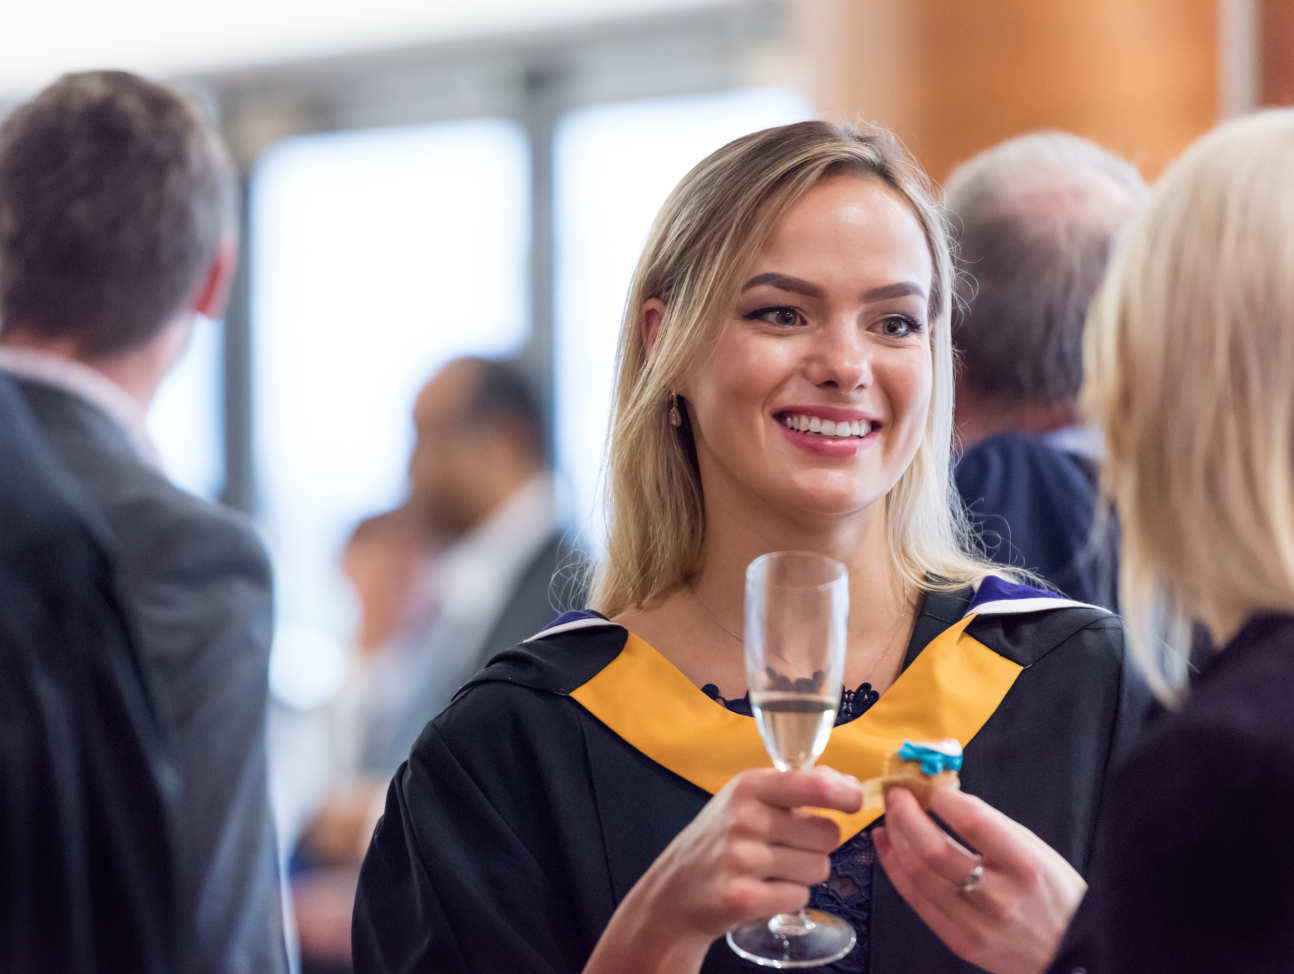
1189,359
712,225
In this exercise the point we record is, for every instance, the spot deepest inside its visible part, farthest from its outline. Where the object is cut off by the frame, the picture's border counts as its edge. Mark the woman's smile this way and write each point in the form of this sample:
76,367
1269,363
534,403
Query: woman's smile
829,432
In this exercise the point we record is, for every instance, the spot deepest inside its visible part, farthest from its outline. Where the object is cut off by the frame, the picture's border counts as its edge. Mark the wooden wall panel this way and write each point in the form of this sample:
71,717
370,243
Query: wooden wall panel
951,77
1276,52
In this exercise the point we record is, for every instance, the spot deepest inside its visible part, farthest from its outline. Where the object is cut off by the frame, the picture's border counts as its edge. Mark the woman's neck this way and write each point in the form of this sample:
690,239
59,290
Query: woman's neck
861,543
882,604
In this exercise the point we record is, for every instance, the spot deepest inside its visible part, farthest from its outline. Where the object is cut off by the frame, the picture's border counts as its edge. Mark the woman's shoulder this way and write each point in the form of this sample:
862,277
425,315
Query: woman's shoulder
536,673
1193,861
1027,624
559,658
1231,740
1243,699
1225,756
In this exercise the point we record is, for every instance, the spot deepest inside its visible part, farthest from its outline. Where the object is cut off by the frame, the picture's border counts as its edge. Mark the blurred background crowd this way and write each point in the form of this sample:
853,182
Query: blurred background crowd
438,210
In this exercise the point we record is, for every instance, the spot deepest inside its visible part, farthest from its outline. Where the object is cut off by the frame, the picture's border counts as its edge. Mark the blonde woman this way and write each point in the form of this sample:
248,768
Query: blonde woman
598,798
1190,365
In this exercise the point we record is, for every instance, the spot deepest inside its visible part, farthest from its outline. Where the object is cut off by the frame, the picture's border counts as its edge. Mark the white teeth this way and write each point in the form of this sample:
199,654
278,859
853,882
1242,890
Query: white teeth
826,427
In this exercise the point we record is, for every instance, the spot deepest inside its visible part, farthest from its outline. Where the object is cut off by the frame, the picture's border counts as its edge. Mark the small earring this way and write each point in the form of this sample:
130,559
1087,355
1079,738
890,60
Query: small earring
675,417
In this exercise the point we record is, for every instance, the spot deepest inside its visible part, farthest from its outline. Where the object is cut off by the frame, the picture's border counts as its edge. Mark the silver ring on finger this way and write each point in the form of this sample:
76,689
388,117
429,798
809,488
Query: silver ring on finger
972,881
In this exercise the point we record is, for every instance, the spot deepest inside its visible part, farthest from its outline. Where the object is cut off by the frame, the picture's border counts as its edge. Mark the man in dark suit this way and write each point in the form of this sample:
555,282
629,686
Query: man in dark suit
116,232
86,809
1034,219
481,483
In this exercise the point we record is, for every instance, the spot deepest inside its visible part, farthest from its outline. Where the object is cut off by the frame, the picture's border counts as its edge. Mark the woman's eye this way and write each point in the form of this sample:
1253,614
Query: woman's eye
780,316
899,326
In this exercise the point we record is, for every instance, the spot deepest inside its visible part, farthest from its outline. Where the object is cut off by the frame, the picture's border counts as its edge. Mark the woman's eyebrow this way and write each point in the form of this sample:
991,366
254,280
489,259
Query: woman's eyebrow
900,290
799,285
786,283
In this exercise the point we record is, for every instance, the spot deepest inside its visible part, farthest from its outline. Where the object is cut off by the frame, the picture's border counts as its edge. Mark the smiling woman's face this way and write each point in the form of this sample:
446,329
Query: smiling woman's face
814,399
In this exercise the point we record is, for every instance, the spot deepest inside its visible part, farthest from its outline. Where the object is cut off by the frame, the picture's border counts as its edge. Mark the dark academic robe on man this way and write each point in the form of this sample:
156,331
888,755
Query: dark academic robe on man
1033,501
87,861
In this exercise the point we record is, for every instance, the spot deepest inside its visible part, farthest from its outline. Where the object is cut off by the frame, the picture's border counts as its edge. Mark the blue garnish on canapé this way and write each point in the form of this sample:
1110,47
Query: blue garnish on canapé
932,760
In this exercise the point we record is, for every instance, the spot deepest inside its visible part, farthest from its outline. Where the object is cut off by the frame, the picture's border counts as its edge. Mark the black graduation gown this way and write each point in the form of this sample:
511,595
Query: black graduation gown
524,814
86,864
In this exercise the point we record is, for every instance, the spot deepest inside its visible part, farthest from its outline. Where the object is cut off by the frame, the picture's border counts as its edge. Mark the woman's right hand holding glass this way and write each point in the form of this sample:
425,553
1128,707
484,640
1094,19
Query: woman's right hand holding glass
753,851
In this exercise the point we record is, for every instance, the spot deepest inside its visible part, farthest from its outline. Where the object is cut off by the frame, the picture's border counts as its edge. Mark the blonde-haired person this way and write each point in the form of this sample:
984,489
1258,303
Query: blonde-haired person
1190,365
598,798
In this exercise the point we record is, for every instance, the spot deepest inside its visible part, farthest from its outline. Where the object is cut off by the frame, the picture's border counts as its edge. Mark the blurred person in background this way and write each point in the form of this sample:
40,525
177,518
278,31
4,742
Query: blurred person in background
1189,357
117,229
482,493
481,485
1034,219
87,807
598,798
387,560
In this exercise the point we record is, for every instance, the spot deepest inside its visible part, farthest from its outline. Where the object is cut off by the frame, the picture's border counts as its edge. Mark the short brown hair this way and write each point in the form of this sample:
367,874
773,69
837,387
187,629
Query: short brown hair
115,197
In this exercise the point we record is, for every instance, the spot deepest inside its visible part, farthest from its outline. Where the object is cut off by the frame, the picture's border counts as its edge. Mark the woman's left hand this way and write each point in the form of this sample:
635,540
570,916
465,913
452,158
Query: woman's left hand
1004,909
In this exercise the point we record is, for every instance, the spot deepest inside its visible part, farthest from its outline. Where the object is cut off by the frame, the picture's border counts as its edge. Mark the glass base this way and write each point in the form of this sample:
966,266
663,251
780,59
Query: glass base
809,938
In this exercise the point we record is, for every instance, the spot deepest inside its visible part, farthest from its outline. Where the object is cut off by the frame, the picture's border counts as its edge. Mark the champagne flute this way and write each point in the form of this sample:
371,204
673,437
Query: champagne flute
797,603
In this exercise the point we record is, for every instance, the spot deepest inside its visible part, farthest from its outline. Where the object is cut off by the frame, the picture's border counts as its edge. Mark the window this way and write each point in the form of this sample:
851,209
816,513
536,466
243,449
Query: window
185,420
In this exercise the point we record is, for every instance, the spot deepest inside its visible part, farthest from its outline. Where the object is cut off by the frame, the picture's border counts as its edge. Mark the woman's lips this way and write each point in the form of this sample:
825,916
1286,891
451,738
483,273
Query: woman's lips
828,441
838,427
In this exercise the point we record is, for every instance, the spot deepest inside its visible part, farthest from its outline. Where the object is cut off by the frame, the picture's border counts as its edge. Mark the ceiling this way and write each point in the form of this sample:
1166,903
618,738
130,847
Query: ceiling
165,38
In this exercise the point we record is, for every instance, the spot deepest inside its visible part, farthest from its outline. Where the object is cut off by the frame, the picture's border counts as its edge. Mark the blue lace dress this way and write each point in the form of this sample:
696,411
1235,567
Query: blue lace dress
848,893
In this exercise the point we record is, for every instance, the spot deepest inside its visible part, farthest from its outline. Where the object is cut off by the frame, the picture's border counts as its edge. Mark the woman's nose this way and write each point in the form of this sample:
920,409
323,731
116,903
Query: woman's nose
842,359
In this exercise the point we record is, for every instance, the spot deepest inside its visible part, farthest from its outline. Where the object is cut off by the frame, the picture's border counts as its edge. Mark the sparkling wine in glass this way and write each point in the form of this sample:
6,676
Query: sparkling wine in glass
794,725
797,603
